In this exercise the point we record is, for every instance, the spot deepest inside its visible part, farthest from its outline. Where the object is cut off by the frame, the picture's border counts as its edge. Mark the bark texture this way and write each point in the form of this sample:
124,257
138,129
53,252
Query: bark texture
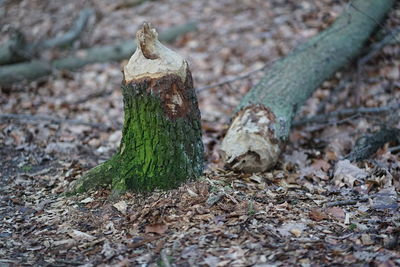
161,144
263,118
35,69
367,145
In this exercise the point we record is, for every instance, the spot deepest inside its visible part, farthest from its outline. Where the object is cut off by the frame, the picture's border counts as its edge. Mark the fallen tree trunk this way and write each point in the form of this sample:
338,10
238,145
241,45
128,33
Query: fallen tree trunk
17,49
161,142
29,71
262,121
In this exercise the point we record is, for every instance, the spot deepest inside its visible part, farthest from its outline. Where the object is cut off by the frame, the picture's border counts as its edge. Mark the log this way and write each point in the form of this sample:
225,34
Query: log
262,121
368,144
18,49
161,144
35,69
10,51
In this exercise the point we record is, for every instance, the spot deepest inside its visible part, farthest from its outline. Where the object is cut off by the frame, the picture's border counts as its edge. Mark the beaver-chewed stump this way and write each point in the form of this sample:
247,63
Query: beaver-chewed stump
161,144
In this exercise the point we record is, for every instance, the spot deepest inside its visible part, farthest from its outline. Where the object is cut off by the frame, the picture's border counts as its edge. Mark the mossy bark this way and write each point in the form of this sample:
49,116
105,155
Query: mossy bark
161,144
265,114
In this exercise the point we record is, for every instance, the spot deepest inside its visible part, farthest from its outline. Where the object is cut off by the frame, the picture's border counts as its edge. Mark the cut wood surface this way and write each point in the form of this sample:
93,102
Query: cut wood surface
161,144
262,121
32,70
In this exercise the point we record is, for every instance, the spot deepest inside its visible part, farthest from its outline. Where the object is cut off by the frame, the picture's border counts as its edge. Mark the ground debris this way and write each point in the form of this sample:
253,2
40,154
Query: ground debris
315,208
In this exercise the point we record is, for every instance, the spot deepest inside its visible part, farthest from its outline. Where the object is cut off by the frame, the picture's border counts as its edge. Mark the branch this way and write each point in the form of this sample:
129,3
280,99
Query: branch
238,78
40,118
345,112
17,49
36,69
73,34
367,145
10,51
346,202
376,47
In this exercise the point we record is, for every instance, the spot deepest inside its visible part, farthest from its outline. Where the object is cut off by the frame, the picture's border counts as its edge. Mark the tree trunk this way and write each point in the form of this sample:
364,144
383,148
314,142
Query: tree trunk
161,144
35,69
263,119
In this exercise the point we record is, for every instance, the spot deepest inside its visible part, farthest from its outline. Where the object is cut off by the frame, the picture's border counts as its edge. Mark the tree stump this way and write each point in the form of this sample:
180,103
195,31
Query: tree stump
161,144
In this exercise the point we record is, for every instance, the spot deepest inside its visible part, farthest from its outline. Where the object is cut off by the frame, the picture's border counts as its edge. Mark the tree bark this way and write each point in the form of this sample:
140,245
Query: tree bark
262,121
368,144
35,69
161,144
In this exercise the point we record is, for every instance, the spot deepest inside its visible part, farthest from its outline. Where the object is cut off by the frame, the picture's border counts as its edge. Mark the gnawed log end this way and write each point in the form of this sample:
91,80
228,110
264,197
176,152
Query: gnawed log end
250,144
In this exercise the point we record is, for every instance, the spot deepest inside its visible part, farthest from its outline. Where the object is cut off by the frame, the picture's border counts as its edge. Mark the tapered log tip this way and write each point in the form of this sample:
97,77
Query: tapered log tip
250,145
152,59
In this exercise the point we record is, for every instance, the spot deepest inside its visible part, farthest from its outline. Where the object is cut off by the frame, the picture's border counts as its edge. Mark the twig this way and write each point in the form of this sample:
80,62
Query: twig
376,47
92,96
128,4
228,81
69,262
345,112
346,202
144,242
72,34
39,118
8,261
394,149
373,51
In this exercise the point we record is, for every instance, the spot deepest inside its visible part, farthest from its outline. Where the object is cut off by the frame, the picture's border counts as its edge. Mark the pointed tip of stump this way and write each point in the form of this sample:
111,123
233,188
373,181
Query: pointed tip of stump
146,38
152,59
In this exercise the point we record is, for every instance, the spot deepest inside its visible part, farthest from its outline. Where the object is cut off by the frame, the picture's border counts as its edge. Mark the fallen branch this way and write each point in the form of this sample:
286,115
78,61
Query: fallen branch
35,69
128,4
346,202
367,145
345,112
394,149
377,47
9,52
17,49
373,50
238,78
72,35
40,118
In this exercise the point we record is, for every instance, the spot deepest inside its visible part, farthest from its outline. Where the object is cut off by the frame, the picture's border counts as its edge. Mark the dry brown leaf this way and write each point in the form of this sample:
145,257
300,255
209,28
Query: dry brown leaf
321,164
347,174
157,228
317,215
337,213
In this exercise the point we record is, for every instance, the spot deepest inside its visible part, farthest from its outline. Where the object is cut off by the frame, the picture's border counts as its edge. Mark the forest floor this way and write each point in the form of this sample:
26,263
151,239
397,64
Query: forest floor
314,209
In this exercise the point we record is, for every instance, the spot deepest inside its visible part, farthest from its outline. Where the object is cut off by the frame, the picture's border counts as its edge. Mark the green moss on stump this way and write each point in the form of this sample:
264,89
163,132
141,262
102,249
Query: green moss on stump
161,144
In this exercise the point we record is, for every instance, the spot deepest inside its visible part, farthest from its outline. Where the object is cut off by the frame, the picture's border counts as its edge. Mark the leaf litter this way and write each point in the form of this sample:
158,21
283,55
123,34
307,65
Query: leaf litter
314,209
